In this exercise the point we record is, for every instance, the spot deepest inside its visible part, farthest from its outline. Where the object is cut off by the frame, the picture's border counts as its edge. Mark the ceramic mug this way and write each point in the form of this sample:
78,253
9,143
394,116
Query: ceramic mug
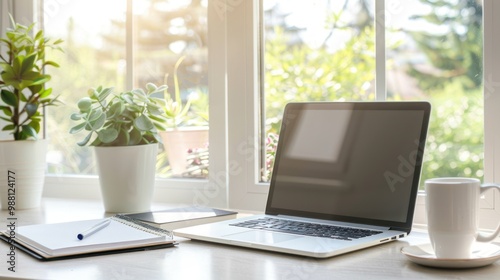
452,214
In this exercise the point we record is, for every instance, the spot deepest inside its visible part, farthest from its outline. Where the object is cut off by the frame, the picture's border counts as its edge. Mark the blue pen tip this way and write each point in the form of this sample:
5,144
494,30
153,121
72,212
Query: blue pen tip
80,237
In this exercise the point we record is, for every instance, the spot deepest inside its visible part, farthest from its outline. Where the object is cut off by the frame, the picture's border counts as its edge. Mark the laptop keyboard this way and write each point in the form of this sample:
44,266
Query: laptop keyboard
308,229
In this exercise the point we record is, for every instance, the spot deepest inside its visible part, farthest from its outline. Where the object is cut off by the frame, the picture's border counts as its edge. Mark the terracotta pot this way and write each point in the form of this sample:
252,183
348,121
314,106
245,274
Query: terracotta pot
179,141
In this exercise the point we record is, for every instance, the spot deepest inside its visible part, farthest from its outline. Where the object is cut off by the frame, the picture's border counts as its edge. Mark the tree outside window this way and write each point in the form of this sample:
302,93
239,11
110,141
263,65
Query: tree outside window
434,53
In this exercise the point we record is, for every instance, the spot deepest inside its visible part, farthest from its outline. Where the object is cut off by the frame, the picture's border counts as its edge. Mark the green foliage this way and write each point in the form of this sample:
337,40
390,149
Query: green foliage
125,119
455,143
456,52
22,80
175,111
454,86
194,112
302,73
200,108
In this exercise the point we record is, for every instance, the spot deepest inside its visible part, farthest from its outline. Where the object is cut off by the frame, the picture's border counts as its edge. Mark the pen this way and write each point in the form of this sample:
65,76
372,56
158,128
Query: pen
93,229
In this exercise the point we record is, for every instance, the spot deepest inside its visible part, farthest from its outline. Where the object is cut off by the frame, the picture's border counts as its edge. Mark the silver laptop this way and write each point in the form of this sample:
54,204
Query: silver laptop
345,177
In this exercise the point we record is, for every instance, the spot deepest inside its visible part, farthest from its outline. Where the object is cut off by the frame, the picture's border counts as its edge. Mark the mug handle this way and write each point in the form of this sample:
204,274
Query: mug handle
481,236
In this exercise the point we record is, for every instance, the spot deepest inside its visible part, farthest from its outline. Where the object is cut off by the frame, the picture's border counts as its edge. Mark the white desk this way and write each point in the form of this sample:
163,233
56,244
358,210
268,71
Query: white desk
199,260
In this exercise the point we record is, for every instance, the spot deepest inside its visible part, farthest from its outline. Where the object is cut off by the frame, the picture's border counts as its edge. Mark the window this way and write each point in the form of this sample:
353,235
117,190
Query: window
235,81
325,51
313,51
121,48
127,45
466,151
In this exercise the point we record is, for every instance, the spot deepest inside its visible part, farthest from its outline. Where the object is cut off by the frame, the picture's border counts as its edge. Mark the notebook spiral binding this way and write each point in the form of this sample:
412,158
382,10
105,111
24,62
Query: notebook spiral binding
142,226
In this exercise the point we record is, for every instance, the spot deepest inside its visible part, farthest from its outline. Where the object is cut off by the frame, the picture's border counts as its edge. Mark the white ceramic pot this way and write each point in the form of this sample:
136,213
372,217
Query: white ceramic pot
177,143
22,173
127,177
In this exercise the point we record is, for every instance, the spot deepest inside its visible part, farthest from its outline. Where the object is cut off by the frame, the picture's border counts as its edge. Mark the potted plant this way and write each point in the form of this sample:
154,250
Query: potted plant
123,128
23,96
182,138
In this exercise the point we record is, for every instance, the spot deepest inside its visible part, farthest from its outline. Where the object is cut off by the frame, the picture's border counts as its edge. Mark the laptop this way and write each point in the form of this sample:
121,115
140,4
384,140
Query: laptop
345,177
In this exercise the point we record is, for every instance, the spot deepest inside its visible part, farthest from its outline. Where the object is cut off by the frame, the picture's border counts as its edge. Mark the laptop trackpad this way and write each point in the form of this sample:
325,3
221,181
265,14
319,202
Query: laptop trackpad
262,237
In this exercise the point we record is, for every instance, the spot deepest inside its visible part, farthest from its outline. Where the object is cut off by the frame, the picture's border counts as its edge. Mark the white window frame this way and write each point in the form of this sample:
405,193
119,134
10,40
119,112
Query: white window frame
234,113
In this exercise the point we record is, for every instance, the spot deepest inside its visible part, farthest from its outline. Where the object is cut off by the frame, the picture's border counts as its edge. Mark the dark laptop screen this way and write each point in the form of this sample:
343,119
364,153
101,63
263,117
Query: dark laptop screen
345,160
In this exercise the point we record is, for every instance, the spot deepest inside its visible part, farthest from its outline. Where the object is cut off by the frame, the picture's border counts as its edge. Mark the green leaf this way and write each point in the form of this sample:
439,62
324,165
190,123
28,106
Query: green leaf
108,135
128,99
96,114
30,77
36,88
45,93
58,41
6,110
160,126
39,35
16,65
76,116
92,93
99,122
43,79
29,131
102,95
138,92
123,138
151,87
143,123
135,137
154,109
9,98
8,127
157,138
84,104
31,109
77,128
85,140
28,63
10,78
35,124
158,118
116,109
51,63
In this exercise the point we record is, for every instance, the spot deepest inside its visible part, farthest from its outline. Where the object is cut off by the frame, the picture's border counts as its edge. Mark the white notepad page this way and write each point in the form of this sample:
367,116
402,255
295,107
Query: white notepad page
61,238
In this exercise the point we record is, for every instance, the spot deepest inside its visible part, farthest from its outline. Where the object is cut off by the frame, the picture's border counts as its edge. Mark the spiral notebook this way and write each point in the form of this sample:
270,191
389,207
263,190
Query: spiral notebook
60,241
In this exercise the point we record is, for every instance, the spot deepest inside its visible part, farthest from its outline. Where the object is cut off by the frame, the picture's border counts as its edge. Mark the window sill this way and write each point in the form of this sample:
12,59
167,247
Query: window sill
187,191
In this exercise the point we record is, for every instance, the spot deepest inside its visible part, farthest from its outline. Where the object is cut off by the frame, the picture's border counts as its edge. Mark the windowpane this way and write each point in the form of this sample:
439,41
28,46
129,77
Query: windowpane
324,51
88,61
434,53
314,51
96,53
166,33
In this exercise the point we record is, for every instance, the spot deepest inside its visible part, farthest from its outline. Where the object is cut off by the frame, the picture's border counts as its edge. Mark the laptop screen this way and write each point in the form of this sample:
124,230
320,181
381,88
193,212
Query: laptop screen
350,161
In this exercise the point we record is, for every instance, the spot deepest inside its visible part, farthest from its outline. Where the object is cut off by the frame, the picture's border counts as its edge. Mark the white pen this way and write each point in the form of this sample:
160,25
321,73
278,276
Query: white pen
93,229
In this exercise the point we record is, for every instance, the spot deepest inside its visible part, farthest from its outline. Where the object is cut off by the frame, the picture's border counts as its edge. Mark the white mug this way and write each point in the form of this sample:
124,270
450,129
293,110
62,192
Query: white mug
452,214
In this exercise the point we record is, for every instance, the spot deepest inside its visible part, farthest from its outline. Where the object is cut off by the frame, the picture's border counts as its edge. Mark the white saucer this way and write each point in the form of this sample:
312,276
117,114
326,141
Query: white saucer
482,255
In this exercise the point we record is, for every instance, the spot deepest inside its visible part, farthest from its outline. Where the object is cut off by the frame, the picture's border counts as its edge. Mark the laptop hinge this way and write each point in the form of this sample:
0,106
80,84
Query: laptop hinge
407,230
336,223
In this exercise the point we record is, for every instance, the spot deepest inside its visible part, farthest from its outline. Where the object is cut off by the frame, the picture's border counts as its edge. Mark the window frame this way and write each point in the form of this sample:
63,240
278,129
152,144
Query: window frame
234,112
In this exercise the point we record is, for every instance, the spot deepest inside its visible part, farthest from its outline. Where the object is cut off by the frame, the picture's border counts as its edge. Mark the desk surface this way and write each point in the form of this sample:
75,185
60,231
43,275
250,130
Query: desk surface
200,260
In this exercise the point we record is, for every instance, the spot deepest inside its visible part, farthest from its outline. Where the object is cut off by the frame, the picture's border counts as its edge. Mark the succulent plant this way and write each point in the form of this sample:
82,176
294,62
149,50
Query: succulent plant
124,119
